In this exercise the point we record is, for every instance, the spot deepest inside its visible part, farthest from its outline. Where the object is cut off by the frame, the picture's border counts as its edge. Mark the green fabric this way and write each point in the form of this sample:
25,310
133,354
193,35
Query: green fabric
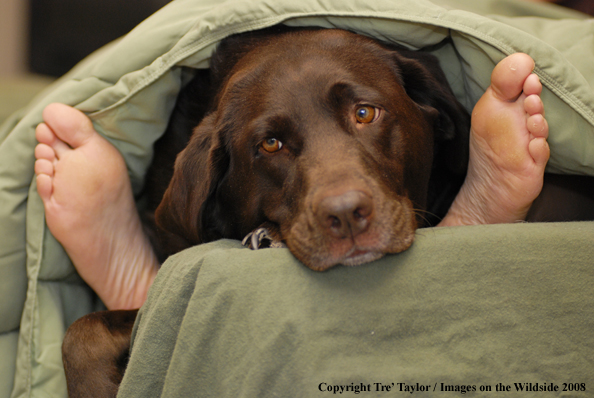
129,88
15,93
464,306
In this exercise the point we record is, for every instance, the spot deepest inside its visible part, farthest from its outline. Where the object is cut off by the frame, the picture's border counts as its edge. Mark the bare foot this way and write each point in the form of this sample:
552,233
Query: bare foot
508,148
89,207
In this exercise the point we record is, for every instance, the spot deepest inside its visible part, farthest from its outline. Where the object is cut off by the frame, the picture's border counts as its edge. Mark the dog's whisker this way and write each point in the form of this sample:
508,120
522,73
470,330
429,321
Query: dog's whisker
426,215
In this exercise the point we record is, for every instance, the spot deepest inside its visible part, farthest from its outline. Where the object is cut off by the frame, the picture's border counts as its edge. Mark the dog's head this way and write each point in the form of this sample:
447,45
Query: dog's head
324,136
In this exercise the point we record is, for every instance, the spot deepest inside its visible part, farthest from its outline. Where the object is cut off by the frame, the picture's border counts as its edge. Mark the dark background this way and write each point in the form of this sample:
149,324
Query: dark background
585,6
62,32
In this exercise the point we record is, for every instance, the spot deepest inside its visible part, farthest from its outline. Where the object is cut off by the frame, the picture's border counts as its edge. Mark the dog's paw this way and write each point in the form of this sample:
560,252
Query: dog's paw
261,239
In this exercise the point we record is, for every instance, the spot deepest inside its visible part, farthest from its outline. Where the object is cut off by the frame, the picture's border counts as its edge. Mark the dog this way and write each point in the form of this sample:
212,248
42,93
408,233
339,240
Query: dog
326,141
323,137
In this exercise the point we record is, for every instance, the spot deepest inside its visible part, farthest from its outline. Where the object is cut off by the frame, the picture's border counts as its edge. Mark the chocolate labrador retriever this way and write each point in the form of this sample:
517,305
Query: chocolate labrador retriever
324,140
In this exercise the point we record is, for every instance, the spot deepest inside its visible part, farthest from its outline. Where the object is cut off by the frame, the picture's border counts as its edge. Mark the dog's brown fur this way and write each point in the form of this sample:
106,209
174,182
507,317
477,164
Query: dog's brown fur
343,187
95,353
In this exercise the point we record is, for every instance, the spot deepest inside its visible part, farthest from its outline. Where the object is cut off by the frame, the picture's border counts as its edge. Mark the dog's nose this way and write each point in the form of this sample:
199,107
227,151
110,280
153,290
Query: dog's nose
345,215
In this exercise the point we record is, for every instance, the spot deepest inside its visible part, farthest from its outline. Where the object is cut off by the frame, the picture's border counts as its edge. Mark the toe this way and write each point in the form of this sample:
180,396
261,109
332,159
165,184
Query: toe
50,143
538,126
540,152
533,105
44,134
44,187
532,85
43,166
69,124
509,75
44,151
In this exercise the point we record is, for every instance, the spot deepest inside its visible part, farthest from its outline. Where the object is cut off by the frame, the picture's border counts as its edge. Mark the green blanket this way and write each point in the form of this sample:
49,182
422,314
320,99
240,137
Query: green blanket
466,306
129,89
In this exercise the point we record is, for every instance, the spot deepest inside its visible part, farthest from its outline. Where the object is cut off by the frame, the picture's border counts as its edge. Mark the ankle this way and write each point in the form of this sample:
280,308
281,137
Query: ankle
456,217
131,273
132,289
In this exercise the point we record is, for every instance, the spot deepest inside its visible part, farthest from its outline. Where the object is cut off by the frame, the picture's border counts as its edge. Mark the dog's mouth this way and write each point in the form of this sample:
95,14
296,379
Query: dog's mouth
321,251
260,238
358,256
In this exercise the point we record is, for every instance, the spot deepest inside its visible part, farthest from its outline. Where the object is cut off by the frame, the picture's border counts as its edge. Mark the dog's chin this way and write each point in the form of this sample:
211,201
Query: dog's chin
351,259
321,252
359,258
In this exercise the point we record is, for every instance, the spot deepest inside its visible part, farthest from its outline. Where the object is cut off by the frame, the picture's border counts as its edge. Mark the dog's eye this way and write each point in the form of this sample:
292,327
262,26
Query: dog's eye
271,145
365,114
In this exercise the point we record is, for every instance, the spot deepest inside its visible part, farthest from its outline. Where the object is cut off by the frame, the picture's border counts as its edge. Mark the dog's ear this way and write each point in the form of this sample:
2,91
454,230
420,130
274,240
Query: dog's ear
426,83
198,169
188,209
